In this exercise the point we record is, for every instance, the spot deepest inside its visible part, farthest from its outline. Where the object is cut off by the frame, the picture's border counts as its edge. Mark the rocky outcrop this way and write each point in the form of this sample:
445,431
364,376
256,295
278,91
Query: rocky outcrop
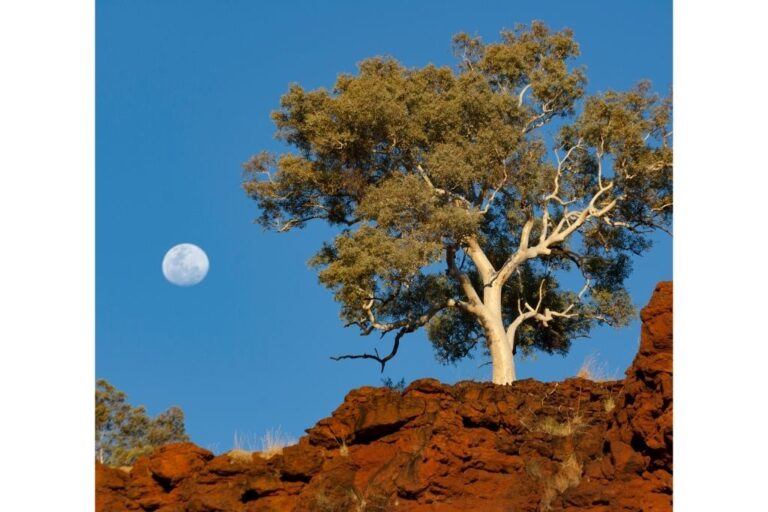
572,445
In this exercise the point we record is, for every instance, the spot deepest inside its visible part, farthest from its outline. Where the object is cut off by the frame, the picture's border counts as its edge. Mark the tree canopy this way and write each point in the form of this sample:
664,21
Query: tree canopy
465,196
124,433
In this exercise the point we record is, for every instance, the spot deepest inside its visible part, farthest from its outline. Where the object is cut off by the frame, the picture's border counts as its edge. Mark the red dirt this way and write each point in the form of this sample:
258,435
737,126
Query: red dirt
529,446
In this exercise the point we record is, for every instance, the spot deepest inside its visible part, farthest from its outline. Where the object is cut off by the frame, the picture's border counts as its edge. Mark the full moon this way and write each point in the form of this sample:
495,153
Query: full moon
185,265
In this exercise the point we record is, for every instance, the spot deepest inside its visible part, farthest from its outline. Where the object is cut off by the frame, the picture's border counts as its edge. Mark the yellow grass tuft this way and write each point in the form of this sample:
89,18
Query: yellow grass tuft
595,371
271,444
238,455
551,426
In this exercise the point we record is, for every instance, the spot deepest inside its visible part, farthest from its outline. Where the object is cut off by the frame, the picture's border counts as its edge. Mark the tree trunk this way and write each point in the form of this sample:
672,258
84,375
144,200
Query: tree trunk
502,360
501,354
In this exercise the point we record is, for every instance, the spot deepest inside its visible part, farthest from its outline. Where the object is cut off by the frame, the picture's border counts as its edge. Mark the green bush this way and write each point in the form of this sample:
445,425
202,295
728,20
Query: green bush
124,433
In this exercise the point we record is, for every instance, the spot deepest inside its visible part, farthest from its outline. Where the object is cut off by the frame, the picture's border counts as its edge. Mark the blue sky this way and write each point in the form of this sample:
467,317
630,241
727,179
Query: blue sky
184,92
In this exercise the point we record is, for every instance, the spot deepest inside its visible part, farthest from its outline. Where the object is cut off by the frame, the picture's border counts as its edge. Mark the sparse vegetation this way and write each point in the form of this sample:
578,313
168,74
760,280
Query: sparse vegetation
369,501
609,404
238,455
596,371
553,427
273,442
569,475
270,444
396,386
124,433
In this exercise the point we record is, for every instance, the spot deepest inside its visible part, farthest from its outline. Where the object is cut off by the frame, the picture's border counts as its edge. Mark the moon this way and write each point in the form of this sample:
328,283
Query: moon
185,265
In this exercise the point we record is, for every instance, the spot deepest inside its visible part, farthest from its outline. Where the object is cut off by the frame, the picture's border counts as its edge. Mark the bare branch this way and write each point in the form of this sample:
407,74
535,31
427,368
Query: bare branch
563,229
405,326
600,154
549,315
522,93
423,174
496,190
554,195
375,356
290,223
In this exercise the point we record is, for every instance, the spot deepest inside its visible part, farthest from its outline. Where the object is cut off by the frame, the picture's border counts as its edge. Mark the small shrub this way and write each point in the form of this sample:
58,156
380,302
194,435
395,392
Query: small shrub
124,432
395,386
609,404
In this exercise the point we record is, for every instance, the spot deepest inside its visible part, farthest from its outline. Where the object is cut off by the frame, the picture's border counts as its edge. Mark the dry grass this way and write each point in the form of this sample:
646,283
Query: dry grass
568,476
369,502
609,404
592,369
352,499
551,426
271,444
237,455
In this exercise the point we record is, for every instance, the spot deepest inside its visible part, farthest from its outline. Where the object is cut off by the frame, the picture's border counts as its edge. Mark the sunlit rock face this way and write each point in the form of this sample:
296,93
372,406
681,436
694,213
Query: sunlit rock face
571,445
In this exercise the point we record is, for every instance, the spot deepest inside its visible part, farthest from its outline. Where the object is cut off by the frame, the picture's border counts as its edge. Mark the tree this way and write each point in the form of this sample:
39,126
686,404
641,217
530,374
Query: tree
124,433
453,213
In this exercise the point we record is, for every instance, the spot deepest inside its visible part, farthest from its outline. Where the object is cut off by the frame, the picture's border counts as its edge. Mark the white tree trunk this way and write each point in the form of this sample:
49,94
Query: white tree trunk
502,360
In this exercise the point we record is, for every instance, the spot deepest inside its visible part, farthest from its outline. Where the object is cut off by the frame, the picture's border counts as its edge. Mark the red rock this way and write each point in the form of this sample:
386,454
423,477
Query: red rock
435,447
301,462
173,462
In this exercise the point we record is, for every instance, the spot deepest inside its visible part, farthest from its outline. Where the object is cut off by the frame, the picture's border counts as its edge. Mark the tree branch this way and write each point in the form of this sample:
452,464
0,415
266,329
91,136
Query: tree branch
479,258
442,191
469,290
405,326
522,93
563,230
375,356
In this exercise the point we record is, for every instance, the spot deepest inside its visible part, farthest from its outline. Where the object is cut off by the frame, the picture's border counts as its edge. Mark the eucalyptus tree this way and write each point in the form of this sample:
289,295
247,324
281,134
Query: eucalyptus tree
124,432
467,197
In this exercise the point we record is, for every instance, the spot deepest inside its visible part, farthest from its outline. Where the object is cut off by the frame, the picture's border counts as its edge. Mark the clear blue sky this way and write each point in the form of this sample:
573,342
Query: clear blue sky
184,92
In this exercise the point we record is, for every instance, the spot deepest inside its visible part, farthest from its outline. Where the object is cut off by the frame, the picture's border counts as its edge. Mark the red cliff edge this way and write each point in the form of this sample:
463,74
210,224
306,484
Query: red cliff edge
575,445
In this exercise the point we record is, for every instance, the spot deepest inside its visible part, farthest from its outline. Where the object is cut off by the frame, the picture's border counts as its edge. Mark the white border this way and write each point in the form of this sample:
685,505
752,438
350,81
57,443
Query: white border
719,256
47,260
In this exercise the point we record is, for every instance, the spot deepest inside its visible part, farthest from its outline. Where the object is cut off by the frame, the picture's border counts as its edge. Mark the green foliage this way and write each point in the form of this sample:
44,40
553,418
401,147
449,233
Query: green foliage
424,169
391,384
124,433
